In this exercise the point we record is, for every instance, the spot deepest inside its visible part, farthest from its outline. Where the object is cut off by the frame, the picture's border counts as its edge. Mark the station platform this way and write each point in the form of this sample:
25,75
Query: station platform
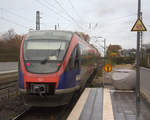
108,104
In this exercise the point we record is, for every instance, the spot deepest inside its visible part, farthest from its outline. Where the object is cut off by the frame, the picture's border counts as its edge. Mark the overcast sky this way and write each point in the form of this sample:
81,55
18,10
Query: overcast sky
111,19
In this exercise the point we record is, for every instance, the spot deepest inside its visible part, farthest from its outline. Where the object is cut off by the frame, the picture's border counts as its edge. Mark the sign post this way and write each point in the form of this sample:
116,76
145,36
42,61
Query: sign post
139,27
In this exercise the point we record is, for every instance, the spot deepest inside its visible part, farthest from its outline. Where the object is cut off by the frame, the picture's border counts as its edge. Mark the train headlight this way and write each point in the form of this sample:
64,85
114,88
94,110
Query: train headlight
27,64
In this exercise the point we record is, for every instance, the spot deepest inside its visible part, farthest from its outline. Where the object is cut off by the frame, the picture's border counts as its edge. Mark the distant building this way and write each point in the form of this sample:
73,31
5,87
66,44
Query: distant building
128,52
114,50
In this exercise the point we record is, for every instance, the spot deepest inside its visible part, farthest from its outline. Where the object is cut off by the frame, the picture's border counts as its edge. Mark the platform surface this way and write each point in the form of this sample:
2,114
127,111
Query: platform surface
107,104
124,107
94,105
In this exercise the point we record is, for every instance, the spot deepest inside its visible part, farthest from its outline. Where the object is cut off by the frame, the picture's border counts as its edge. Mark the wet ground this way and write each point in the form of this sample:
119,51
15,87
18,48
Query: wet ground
124,107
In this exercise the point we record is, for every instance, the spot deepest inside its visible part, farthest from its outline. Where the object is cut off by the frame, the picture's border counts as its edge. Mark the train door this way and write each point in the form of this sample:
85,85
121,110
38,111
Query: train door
73,68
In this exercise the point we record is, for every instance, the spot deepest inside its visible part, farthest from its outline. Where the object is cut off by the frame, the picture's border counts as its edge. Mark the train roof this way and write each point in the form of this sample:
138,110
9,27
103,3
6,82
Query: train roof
49,34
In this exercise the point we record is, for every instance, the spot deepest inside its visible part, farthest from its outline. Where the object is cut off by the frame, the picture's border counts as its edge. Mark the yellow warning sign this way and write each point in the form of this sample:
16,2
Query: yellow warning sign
139,26
107,68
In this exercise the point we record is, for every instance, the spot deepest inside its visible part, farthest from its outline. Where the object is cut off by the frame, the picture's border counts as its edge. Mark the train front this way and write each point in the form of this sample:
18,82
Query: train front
41,66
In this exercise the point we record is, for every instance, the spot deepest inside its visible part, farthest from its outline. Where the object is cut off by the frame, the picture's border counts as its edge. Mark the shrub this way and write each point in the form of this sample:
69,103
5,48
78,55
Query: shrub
123,60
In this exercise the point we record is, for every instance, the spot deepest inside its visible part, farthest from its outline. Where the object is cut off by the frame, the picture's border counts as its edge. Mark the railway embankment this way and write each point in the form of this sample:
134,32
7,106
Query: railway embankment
103,78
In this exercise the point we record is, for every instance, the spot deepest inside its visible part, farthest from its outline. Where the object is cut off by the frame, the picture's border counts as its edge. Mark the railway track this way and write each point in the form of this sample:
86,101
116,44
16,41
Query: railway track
48,113
8,85
21,115
51,113
7,77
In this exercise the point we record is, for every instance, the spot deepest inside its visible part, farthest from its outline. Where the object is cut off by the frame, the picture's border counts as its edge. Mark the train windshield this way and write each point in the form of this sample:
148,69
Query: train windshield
45,49
44,56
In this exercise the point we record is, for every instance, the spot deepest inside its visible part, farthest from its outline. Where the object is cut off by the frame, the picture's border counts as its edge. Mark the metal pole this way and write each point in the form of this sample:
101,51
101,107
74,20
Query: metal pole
104,47
58,25
55,27
104,58
138,60
141,39
37,20
141,31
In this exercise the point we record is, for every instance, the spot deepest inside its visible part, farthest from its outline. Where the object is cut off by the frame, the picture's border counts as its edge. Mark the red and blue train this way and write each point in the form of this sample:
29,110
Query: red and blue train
53,65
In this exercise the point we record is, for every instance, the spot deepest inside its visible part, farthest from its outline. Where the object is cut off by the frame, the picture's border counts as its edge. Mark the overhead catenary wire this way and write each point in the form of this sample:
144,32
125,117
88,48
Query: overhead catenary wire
10,21
15,22
19,16
110,20
29,20
69,19
57,2
118,18
75,10
52,10
70,2
22,17
51,6
113,21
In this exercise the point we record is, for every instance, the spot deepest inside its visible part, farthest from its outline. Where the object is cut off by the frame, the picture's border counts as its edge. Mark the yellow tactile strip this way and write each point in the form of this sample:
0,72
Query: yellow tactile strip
107,106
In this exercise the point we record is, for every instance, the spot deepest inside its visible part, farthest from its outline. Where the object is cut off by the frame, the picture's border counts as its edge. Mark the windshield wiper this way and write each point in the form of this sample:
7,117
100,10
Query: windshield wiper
44,61
59,50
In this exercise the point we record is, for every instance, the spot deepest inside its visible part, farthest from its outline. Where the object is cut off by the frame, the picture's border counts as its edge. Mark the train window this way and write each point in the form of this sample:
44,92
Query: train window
71,62
77,57
74,62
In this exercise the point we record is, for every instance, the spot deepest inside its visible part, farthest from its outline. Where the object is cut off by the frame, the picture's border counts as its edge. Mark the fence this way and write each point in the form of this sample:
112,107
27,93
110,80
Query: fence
145,82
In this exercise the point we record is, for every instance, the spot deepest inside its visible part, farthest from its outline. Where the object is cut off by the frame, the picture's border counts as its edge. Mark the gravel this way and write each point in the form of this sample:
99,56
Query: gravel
13,107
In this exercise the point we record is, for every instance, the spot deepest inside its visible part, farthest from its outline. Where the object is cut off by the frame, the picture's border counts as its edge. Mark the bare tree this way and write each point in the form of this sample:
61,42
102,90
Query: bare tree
10,34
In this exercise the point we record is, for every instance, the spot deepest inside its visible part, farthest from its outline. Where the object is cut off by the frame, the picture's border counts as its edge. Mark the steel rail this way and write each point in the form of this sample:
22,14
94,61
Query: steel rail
21,115
10,84
7,77
8,72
